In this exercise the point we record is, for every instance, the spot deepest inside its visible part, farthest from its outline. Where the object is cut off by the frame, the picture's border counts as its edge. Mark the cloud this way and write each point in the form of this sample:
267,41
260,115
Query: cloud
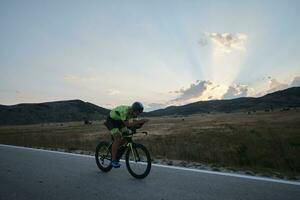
275,85
215,87
155,106
295,82
114,92
71,77
9,91
207,90
194,91
236,91
227,42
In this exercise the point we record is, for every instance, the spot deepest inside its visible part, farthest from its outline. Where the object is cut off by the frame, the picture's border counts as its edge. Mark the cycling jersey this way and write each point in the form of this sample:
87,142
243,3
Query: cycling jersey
116,119
120,113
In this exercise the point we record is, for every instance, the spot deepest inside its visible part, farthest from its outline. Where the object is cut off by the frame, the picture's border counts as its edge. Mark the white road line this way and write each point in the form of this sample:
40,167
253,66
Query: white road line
173,167
49,151
231,174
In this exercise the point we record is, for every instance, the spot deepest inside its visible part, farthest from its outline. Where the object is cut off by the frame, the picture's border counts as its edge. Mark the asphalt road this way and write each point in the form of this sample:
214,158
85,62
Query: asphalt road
35,174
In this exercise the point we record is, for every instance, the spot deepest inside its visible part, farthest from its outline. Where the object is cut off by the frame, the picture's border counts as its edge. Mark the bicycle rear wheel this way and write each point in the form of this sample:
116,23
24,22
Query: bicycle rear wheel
103,156
138,161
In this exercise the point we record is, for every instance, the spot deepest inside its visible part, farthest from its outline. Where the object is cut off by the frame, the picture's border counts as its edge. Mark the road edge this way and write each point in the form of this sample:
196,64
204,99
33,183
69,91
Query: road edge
171,167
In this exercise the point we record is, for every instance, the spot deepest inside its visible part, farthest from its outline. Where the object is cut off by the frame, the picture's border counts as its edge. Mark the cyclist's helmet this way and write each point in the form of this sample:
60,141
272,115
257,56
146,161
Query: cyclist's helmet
137,106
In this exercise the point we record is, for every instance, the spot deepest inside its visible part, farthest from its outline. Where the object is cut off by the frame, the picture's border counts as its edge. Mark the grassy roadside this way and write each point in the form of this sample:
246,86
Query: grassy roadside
264,142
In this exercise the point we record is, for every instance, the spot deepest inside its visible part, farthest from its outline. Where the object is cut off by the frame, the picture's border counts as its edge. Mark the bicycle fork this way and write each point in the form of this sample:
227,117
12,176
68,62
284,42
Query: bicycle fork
134,153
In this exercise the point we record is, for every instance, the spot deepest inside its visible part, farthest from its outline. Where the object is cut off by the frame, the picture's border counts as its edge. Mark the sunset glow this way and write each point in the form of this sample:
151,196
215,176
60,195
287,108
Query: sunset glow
161,53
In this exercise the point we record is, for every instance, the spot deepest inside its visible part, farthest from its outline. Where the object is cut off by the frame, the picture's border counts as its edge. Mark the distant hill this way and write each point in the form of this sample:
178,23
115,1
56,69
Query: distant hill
280,99
77,110
59,111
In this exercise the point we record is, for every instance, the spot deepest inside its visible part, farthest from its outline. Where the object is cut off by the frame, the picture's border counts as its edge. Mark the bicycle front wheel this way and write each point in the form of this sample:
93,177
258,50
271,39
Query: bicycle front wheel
103,156
138,161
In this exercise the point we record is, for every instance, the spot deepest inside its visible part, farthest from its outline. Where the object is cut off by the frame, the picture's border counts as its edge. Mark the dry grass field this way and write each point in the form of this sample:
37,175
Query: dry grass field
260,141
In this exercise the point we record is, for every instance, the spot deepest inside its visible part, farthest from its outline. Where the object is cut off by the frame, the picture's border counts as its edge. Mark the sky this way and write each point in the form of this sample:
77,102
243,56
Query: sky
160,53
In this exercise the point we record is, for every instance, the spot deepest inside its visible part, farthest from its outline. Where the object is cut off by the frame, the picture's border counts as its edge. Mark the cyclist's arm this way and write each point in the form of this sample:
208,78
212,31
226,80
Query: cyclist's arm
135,122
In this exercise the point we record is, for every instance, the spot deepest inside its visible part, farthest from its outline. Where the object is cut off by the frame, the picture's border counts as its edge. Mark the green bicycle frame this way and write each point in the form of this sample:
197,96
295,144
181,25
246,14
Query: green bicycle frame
131,148
129,145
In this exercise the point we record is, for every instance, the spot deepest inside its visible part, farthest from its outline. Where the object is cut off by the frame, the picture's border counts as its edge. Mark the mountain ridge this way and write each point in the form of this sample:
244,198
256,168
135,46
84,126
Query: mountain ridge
78,110
56,111
285,98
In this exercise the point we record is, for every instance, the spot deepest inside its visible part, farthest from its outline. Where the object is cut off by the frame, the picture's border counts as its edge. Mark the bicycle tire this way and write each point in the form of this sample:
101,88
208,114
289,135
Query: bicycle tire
100,161
148,161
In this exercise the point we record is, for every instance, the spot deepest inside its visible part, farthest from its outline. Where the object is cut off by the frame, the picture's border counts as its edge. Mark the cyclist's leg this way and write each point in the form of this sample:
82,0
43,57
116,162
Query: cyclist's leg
125,131
116,133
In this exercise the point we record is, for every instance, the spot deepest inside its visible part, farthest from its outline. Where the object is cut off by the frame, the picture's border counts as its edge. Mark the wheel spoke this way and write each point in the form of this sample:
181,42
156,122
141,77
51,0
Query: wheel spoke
103,156
139,162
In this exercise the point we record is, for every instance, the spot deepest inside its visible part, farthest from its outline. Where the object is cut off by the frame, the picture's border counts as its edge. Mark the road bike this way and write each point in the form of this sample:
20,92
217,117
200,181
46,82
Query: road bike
137,157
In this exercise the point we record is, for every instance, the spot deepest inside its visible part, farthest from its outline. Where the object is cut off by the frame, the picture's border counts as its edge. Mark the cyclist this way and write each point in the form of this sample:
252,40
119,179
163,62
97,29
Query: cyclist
119,120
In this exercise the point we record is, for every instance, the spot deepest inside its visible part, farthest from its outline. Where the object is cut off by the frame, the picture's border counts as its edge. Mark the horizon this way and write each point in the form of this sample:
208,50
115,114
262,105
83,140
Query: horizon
150,110
160,53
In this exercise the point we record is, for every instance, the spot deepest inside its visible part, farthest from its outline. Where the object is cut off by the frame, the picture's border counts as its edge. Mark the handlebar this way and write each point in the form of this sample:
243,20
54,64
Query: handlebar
133,129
